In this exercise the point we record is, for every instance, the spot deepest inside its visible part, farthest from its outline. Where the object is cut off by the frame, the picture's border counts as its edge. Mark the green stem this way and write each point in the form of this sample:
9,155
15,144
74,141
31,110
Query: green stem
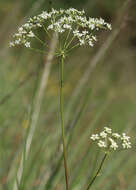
62,120
39,40
46,31
97,173
66,46
73,47
67,38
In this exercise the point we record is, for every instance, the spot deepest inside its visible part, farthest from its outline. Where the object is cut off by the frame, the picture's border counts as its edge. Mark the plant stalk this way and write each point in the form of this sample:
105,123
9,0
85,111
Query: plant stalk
62,120
98,172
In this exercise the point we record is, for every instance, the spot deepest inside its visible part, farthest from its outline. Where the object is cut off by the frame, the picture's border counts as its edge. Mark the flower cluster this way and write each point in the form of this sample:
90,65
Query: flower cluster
59,21
111,141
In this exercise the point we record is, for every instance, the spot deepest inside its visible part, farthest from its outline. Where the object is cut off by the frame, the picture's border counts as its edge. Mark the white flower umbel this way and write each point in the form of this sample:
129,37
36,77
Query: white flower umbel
71,20
108,140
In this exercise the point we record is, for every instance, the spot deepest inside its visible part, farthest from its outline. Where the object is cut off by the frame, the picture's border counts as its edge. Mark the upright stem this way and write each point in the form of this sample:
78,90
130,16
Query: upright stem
97,173
62,119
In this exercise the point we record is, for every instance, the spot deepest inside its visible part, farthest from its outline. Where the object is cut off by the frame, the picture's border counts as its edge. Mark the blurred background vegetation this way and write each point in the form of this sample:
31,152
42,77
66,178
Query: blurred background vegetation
100,89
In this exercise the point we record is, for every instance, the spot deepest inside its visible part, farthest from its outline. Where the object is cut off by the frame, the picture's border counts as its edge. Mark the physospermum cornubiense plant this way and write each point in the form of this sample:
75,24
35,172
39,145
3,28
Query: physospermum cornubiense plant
73,29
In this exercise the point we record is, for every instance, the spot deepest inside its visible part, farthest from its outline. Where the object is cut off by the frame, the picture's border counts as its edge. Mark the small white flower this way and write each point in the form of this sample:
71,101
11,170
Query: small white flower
27,25
71,10
94,38
44,15
50,27
20,29
124,137
27,44
126,144
84,32
82,42
109,26
17,35
11,44
39,25
100,21
116,135
102,144
103,134
70,19
30,34
67,26
107,130
113,144
61,11
95,137
125,141
60,30
17,42
54,11
76,32
90,43
91,26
